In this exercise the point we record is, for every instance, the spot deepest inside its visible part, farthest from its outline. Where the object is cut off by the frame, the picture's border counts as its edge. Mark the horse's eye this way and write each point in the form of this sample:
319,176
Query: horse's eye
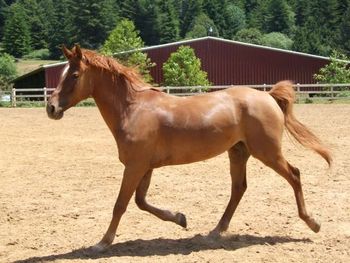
76,75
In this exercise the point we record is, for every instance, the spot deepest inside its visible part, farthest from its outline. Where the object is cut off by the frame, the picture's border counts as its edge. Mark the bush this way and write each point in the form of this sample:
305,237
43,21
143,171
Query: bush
7,71
249,35
277,40
38,54
336,71
183,68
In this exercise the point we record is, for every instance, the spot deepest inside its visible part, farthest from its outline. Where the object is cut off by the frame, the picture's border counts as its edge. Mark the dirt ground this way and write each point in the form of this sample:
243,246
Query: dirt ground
59,181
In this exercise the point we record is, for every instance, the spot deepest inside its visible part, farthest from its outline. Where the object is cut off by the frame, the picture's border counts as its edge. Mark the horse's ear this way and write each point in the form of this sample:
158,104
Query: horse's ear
78,52
67,53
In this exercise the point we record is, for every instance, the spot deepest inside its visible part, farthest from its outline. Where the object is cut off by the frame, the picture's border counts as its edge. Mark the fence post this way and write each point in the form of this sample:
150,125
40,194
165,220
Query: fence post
45,96
298,92
332,92
264,87
13,97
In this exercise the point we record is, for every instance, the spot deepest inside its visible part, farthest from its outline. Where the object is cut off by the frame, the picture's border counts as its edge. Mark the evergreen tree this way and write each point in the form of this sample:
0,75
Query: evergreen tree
280,17
235,20
168,22
37,19
344,42
92,21
215,10
190,9
202,26
61,29
3,8
16,39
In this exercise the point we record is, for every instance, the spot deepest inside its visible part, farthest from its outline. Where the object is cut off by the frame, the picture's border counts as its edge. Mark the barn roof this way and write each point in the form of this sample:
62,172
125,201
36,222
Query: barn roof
188,41
41,68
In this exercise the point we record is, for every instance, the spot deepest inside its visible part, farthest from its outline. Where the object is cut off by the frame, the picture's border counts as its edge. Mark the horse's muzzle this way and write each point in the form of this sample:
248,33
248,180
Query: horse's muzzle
54,112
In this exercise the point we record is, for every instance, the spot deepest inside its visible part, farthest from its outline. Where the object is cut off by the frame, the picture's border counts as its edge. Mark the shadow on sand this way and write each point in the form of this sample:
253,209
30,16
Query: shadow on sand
163,247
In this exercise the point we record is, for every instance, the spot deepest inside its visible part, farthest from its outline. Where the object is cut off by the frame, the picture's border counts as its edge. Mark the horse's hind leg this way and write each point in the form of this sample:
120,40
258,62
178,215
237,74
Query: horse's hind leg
238,155
140,199
292,175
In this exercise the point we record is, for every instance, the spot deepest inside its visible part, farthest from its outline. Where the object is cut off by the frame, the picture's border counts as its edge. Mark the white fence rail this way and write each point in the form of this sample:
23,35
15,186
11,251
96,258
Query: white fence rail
318,91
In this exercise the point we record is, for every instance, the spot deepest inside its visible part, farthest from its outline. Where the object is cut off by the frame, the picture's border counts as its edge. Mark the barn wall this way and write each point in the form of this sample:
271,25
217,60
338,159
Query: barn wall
52,76
232,63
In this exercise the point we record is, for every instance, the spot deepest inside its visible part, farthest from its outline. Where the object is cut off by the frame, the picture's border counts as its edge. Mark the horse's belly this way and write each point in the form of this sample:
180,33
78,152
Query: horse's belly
195,146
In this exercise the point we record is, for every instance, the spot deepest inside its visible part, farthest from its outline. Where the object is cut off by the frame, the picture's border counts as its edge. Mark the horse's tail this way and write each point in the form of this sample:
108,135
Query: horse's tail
284,95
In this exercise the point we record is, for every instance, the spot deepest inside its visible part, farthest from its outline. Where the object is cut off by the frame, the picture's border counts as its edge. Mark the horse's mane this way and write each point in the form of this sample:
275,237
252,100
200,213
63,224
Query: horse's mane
115,68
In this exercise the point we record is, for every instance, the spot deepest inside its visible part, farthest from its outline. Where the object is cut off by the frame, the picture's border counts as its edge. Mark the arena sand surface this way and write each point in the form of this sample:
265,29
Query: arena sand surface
59,181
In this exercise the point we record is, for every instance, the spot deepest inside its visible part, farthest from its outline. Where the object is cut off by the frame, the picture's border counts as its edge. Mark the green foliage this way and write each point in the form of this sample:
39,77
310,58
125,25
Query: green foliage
202,26
168,22
277,40
249,35
337,71
344,41
235,20
60,30
16,39
183,68
122,42
92,21
7,71
43,54
279,17
190,10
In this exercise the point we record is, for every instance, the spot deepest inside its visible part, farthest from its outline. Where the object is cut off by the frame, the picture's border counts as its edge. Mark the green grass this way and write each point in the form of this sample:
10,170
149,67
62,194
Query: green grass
27,65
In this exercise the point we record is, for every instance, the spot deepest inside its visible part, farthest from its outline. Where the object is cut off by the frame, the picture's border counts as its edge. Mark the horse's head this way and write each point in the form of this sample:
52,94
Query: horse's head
74,85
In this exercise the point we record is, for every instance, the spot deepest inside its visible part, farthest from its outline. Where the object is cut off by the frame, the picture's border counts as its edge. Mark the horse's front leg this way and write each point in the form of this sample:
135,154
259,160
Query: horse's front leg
131,179
141,202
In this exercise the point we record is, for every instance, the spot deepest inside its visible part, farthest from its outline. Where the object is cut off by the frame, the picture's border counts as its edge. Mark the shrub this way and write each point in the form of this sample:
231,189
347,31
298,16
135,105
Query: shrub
183,68
38,54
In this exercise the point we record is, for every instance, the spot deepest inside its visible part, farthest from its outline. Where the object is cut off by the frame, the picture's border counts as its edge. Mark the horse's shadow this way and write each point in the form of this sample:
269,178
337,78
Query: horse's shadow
163,247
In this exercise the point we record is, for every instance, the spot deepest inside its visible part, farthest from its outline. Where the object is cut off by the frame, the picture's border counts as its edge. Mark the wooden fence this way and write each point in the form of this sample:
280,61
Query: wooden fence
311,91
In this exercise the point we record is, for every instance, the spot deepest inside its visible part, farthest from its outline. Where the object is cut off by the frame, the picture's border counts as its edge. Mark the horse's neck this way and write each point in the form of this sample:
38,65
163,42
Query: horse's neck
113,102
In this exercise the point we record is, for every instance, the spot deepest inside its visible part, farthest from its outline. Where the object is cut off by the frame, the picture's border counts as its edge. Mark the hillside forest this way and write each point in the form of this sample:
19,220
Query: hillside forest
41,26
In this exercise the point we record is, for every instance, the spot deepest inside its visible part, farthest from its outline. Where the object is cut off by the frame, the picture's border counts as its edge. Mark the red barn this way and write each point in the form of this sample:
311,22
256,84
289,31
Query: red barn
231,62
226,62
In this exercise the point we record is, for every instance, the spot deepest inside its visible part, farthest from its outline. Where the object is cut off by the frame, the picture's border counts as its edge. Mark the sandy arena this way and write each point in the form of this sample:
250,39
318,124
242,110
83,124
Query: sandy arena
59,181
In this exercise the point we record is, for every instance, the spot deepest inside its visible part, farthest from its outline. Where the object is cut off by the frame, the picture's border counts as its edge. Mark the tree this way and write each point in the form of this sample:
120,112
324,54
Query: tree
249,35
215,10
344,41
16,40
190,10
183,68
144,14
92,21
202,26
3,9
337,71
168,22
61,29
123,43
277,40
235,20
279,17
7,70
38,17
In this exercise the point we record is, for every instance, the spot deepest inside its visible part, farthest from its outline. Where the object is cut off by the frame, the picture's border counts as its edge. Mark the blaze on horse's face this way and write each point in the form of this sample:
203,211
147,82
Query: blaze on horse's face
72,87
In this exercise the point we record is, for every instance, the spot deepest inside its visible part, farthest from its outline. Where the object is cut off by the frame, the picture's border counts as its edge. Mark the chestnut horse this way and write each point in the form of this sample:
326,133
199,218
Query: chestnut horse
154,129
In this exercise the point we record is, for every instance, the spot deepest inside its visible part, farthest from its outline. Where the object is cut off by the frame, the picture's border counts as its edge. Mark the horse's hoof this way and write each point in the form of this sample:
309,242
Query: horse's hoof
99,248
315,226
181,220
